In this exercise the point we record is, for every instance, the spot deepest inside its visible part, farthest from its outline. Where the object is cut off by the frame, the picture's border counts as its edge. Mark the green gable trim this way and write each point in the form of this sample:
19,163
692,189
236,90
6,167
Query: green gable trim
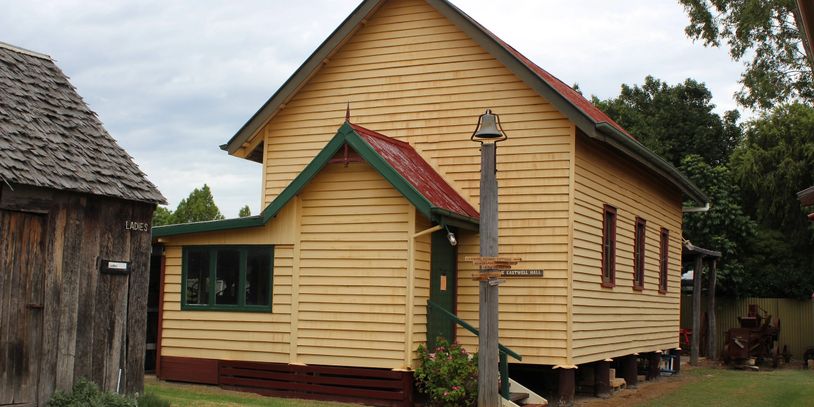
345,135
308,68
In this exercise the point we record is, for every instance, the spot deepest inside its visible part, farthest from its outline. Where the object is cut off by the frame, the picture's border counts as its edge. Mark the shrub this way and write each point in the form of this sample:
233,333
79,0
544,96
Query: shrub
448,375
86,394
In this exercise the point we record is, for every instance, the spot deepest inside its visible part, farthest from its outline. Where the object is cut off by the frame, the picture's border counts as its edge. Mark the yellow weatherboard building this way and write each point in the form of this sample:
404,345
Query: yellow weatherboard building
331,281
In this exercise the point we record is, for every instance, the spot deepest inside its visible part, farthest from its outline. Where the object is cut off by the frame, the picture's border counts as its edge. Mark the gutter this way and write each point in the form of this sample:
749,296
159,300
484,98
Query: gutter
641,154
447,217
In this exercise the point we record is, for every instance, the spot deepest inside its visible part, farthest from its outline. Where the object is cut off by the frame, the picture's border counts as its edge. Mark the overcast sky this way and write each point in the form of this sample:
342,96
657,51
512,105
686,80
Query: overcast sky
173,80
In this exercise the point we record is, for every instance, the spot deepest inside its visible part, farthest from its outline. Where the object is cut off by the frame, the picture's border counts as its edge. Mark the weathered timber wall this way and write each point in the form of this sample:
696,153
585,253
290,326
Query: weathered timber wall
92,324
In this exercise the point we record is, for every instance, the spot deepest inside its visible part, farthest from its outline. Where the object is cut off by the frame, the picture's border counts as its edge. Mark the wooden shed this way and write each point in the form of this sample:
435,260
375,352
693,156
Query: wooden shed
75,215
349,267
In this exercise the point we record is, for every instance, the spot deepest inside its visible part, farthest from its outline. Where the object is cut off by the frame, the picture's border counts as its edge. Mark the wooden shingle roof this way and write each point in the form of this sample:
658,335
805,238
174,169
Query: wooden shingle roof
50,138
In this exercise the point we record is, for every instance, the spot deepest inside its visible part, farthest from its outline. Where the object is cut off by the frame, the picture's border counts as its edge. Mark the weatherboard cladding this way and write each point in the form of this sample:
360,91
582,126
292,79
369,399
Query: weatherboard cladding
415,170
50,138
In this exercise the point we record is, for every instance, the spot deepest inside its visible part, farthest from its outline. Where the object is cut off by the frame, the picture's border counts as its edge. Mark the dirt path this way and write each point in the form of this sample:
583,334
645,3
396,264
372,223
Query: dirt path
645,391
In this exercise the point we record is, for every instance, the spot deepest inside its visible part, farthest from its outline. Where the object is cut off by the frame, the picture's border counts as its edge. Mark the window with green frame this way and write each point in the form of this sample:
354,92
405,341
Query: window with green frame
227,278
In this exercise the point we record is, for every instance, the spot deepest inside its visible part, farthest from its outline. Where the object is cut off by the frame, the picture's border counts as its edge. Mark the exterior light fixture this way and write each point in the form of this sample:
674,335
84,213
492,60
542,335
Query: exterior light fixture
489,129
451,237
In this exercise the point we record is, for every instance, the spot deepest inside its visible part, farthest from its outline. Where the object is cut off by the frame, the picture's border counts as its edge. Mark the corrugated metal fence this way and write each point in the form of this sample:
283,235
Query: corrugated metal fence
796,319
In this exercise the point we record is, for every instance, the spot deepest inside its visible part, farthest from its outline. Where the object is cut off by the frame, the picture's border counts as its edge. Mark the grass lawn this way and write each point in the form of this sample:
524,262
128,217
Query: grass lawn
737,388
694,387
183,395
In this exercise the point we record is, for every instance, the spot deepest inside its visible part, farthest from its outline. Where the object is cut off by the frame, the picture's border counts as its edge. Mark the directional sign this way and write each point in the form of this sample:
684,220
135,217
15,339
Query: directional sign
493,263
493,274
522,273
500,267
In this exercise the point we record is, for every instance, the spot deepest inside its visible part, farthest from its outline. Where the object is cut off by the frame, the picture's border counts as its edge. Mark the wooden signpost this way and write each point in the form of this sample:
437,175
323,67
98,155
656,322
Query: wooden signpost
493,271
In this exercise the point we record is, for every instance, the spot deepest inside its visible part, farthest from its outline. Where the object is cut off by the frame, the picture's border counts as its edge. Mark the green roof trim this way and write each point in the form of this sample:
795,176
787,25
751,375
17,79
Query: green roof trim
345,135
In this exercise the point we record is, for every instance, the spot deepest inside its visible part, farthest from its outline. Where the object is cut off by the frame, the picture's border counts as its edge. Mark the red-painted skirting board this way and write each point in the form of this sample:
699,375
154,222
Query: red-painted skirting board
379,387
191,370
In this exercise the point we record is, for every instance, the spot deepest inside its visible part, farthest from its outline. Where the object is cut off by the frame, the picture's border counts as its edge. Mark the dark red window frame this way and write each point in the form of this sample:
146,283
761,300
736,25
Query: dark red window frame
608,266
639,253
664,257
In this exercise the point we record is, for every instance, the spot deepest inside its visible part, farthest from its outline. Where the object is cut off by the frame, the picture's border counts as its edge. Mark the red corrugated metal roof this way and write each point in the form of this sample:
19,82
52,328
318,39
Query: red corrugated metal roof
419,173
574,97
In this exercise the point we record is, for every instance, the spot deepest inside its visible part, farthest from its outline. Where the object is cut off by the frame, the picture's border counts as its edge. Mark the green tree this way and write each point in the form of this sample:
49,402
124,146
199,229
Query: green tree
775,161
162,216
725,227
244,212
775,267
197,207
765,33
675,121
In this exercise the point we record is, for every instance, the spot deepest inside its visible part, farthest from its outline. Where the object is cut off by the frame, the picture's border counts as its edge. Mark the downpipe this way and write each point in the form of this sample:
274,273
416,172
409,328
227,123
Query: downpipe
694,209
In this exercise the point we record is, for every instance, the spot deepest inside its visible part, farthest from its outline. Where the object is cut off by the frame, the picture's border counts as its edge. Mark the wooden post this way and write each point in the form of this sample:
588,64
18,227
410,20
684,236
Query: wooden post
630,371
602,378
566,386
653,362
712,350
676,360
696,309
488,307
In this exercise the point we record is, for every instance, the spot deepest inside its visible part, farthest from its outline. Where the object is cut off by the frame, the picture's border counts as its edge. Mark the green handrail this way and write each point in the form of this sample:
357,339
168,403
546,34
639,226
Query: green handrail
504,351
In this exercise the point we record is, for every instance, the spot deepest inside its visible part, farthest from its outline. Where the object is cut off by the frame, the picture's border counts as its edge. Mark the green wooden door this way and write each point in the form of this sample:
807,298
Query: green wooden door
443,284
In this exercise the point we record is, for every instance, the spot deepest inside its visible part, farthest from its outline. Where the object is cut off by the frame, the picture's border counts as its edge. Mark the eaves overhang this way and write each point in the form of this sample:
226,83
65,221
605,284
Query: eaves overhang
639,153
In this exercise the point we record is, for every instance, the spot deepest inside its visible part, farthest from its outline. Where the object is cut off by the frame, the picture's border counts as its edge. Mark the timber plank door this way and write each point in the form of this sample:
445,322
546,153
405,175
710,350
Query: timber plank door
22,246
443,284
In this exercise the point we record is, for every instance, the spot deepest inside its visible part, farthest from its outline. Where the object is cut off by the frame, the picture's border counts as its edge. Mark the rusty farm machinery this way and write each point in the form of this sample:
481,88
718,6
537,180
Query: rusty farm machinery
755,342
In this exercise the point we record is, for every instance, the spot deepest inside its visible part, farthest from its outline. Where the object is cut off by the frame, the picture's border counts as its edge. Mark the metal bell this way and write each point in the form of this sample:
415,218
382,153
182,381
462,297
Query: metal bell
489,129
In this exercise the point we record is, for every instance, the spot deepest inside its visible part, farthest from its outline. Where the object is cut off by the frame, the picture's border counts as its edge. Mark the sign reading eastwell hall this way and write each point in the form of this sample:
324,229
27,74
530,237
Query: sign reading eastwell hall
522,273
501,267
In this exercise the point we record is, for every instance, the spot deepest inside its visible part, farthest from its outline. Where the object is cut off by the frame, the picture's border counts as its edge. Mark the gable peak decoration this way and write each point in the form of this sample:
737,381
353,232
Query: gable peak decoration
395,160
